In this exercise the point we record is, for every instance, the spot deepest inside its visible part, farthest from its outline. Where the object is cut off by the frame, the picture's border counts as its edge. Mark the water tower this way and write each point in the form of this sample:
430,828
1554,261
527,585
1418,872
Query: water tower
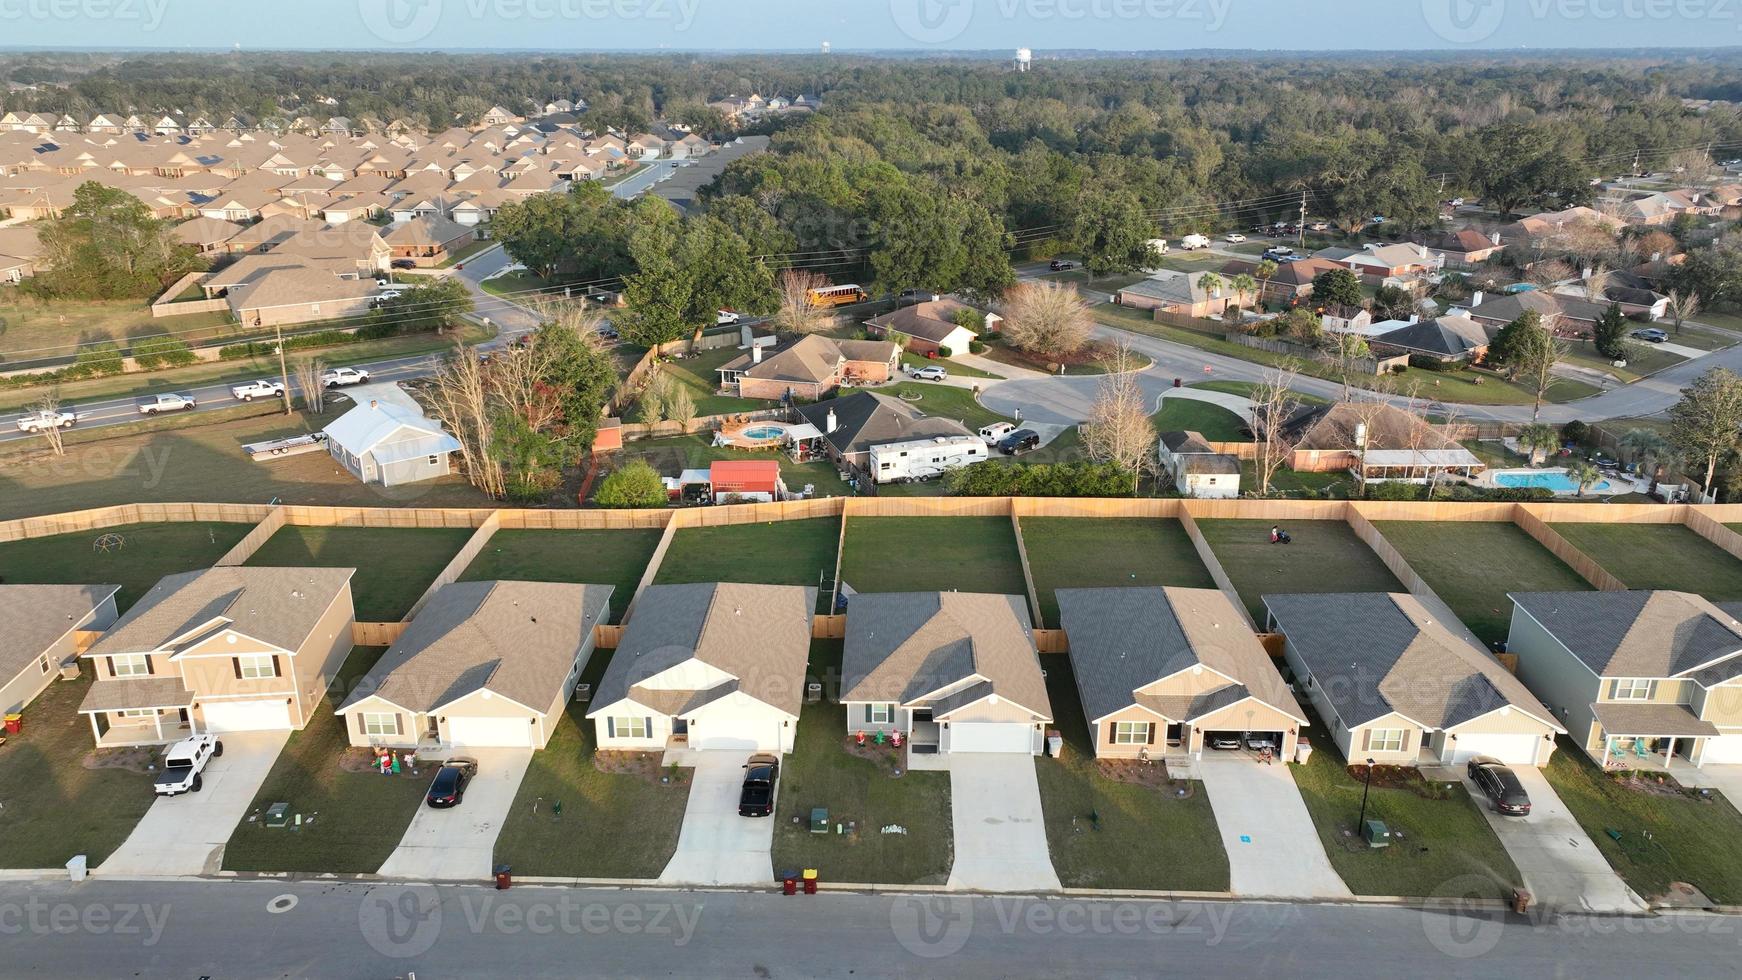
825,47
1023,58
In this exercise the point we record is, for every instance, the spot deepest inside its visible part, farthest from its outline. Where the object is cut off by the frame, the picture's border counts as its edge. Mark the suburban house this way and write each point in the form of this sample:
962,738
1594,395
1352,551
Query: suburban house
1550,224
20,253
42,623
1466,247
854,427
1399,684
1450,338
1632,292
1397,265
1641,680
952,671
1567,316
483,664
1159,669
808,368
1196,468
299,294
227,649
936,327
1177,294
390,444
1292,281
428,241
714,666
1374,442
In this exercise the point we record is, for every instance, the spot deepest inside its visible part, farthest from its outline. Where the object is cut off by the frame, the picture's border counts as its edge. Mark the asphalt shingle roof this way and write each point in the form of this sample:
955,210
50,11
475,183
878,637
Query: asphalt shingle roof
277,606
902,646
36,616
1641,633
867,419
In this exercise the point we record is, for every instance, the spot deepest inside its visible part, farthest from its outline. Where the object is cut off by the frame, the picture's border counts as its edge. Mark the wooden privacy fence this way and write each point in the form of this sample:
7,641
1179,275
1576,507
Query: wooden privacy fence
252,541
377,634
458,564
1561,548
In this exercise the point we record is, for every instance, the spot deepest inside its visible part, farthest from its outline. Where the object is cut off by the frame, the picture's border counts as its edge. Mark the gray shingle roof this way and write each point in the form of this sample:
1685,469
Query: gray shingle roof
867,419
1651,720
903,646
36,616
514,639
1641,633
136,693
278,606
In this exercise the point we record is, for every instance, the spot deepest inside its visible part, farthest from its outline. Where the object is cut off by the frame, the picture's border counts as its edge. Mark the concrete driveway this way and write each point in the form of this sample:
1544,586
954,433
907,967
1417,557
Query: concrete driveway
999,828
458,844
716,846
1273,848
1562,868
185,835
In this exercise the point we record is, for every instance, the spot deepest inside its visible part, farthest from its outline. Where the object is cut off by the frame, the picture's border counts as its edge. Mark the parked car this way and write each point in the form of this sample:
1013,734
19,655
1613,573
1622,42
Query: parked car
1194,242
931,372
183,764
1318,226
761,778
1258,742
448,787
1281,253
343,377
607,331
40,420
1061,265
1235,238
404,264
257,389
995,432
1500,784
167,402
1651,335
1019,442
1224,743
726,318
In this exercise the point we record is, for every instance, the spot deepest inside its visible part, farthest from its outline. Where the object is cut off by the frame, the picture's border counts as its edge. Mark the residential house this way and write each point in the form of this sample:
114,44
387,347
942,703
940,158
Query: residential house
299,295
209,235
1169,293
1641,679
220,650
390,444
954,672
853,426
1566,316
43,623
498,116
1392,265
808,368
1196,468
935,327
1631,291
711,666
20,253
360,243
1291,283
428,241
1448,339
1160,669
1466,247
1398,683
1374,442
483,664
1549,225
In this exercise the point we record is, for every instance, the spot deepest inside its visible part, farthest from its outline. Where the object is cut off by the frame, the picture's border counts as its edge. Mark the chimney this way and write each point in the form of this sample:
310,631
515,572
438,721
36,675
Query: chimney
830,425
1414,318
374,405
1494,237
1585,273
755,353
1423,249
1476,299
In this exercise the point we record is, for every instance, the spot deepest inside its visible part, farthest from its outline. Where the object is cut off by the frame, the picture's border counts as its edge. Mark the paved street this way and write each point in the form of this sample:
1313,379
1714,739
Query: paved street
336,929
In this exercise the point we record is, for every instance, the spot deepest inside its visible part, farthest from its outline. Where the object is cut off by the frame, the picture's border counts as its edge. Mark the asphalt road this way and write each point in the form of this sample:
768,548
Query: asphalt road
636,183
229,929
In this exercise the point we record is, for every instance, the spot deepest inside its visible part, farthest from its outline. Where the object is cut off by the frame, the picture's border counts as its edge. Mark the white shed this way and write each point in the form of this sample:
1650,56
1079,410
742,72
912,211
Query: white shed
385,443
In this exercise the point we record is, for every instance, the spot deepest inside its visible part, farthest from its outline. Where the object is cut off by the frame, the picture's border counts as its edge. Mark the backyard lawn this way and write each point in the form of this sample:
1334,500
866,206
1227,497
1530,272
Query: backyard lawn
149,552
352,821
1326,556
776,553
1213,422
1472,565
941,401
927,554
51,806
1435,841
615,558
394,564
671,455
699,374
1146,838
1664,838
1659,556
1086,553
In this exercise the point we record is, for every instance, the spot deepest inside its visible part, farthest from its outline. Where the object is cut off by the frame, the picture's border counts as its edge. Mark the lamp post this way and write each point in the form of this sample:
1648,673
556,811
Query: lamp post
1361,821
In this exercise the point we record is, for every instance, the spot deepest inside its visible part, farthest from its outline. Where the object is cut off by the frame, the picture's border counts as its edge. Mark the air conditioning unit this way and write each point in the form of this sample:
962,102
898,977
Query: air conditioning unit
583,693
813,692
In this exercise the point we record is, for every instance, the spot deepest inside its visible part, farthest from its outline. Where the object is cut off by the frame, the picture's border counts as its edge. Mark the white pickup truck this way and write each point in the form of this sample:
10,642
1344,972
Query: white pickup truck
183,763
343,377
168,402
257,389
40,420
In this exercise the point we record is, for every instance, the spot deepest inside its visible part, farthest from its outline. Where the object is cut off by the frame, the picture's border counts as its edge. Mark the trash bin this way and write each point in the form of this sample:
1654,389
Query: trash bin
504,877
1520,901
1302,752
1179,383
1055,743
14,724
789,882
810,881
76,868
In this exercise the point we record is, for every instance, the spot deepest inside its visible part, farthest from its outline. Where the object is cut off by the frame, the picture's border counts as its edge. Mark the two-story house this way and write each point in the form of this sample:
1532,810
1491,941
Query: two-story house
1641,680
220,650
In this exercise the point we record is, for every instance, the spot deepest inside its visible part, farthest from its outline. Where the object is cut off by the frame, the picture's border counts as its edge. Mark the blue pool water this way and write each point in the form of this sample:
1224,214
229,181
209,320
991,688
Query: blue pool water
762,432
1555,480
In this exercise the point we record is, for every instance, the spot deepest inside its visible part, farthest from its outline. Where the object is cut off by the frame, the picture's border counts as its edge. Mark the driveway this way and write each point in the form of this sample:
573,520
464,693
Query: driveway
458,844
1562,868
999,828
715,845
185,835
1273,848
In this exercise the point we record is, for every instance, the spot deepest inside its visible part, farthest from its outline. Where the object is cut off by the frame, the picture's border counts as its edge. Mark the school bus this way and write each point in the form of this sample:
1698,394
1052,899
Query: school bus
832,296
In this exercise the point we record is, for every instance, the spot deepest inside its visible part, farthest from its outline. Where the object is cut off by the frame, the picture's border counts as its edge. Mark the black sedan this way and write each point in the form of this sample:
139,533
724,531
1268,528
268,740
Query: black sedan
1061,265
1500,784
449,785
761,776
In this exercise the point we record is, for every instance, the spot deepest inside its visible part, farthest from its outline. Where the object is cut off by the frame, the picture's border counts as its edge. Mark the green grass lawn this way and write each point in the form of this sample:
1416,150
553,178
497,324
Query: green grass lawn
1326,556
673,454
394,565
924,554
1659,556
1246,388
1495,455
352,821
1086,553
1472,565
944,402
51,806
1147,837
1681,828
467,252
699,374
1288,481
614,558
1214,422
53,329
150,552
1642,360
611,825
776,553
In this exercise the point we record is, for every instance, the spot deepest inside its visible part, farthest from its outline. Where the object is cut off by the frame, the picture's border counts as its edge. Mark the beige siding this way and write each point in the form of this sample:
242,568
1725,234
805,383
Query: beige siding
1103,732
1558,679
1185,684
318,661
410,726
1251,716
1495,723
1722,706
1361,748
988,711
30,682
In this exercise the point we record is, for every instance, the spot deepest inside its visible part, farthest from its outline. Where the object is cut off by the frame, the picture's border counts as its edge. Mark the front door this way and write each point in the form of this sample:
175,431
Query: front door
680,726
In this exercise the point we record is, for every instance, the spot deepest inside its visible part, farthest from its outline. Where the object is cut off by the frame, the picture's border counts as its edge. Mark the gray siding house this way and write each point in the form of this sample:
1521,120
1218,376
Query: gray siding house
384,443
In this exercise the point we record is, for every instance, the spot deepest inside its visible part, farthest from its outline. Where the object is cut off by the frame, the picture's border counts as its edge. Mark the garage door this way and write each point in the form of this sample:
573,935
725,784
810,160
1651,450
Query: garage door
511,733
1514,750
1723,750
991,737
246,716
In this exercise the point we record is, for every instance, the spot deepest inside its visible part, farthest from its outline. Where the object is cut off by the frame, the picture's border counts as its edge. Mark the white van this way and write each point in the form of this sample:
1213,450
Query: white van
996,431
1194,242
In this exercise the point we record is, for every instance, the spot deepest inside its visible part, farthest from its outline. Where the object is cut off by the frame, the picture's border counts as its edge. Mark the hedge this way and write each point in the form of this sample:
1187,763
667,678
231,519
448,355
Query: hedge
991,479
257,348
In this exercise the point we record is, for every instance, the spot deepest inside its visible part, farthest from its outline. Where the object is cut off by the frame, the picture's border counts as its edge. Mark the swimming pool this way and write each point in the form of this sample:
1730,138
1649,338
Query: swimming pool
763,433
1556,480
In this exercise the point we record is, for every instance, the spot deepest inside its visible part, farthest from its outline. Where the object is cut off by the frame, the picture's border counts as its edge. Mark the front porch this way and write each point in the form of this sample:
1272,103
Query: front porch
128,732
1661,738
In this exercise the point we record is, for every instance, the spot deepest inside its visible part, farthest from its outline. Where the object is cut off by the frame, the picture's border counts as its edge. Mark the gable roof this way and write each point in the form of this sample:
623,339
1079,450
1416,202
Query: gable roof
812,359
1641,633
933,320
903,646
277,606
865,419
366,427
37,616
1452,335
1333,427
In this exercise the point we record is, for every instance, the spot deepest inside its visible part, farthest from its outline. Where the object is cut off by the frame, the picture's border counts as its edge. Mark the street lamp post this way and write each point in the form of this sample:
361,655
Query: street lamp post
1361,821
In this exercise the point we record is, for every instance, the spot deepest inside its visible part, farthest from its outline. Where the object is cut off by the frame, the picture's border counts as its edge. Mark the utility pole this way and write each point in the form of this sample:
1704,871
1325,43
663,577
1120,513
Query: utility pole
1302,230
283,369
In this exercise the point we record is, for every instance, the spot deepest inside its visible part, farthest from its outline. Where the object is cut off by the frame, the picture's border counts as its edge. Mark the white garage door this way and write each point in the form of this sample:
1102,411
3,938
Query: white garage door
513,733
1723,750
991,737
246,716
1514,750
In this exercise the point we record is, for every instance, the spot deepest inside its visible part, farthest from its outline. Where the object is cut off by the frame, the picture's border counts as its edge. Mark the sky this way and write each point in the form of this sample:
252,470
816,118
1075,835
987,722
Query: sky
916,25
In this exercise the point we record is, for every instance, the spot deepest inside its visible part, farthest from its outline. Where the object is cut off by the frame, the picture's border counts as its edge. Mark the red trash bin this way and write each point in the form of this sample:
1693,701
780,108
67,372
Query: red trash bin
504,877
14,724
789,884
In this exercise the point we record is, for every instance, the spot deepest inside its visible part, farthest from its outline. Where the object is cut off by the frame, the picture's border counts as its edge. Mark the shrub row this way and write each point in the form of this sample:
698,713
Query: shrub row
992,479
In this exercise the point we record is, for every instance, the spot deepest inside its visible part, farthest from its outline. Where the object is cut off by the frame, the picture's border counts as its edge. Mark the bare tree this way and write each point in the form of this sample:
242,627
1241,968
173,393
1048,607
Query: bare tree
1273,401
578,316
460,398
1368,409
680,406
1048,319
1597,284
798,314
48,408
1535,365
1549,272
1118,429
308,381
516,381
1682,308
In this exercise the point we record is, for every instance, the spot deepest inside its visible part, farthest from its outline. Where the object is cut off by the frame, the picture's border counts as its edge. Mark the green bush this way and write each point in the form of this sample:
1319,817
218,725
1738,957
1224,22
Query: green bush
1428,362
322,338
634,484
975,347
99,359
991,479
161,352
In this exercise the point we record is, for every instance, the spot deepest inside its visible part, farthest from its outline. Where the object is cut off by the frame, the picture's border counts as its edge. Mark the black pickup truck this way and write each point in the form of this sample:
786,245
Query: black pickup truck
761,774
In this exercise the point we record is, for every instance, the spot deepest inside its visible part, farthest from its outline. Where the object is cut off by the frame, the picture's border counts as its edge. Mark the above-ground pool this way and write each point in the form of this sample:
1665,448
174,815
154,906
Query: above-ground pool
1556,480
762,433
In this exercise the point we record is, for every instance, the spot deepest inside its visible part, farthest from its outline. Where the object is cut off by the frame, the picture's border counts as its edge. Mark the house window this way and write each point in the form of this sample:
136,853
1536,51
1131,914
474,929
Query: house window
137,713
630,727
255,666
879,714
131,665
43,666
1385,740
378,723
1633,689
1131,733
435,461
